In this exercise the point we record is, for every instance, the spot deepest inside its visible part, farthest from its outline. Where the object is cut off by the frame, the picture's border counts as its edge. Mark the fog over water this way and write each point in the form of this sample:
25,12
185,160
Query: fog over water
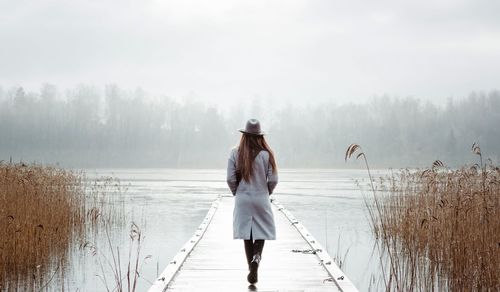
90,127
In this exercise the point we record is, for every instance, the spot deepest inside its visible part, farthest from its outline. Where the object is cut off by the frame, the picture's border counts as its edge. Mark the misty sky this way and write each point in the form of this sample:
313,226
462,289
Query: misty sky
231,50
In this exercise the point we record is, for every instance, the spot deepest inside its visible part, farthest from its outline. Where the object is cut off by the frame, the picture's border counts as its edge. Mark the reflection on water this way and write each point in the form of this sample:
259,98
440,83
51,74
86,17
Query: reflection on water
168,205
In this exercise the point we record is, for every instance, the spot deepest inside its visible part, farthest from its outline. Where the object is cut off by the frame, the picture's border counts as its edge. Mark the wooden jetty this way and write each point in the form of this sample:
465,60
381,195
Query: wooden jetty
212,261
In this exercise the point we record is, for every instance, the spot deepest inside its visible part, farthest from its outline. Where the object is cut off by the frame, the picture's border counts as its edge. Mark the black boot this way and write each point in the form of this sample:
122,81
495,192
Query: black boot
258,246
254,269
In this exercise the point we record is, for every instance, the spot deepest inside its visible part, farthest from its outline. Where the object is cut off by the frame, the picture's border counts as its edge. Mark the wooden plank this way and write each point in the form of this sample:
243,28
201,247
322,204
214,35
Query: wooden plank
212,261
167,275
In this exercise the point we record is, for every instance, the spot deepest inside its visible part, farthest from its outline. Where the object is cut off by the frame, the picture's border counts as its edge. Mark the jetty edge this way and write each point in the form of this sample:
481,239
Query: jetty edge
313,250
337,275
161,283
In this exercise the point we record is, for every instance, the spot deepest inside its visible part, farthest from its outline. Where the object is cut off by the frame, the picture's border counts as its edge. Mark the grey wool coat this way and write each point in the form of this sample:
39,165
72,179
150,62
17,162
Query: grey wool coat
252,207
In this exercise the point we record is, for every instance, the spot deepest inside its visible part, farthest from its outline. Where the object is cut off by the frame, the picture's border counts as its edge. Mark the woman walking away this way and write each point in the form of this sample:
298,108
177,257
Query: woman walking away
252,177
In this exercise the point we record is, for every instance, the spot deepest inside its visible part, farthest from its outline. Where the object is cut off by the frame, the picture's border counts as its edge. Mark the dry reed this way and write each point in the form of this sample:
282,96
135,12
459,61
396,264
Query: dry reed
443,229
110,261
44,211
41,209
439,229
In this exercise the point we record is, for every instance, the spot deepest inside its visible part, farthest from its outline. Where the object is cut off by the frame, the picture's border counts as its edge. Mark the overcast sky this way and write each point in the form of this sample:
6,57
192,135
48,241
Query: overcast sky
228,50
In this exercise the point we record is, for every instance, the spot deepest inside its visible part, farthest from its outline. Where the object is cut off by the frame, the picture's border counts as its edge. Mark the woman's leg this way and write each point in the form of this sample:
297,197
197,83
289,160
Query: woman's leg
248,251
258,246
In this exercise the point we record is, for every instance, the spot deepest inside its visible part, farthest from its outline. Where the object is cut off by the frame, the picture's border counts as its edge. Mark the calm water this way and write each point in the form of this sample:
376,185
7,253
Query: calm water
168,205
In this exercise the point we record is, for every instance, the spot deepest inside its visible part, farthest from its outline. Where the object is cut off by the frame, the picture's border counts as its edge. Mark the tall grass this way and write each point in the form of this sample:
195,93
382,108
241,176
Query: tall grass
443,228
440,228
111,261
104,205
44,211
41,212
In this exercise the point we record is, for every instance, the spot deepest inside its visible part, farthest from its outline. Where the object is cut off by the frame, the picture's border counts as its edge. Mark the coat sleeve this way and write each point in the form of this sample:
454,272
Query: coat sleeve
232,181
272,178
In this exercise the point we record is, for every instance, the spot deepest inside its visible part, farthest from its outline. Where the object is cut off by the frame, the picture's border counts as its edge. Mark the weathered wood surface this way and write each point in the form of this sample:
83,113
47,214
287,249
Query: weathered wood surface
212,261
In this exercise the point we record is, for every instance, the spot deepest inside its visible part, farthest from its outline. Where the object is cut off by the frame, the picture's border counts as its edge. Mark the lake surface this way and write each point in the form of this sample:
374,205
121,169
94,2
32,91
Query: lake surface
169,204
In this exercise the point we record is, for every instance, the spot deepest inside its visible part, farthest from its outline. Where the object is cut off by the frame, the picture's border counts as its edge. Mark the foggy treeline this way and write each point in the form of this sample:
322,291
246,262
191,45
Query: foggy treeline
94,127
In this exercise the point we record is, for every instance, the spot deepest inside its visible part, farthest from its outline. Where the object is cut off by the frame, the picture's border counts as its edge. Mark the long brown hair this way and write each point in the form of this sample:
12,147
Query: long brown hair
249,148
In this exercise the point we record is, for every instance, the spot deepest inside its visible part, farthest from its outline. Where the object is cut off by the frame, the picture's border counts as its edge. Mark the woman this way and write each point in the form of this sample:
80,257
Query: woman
252,177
